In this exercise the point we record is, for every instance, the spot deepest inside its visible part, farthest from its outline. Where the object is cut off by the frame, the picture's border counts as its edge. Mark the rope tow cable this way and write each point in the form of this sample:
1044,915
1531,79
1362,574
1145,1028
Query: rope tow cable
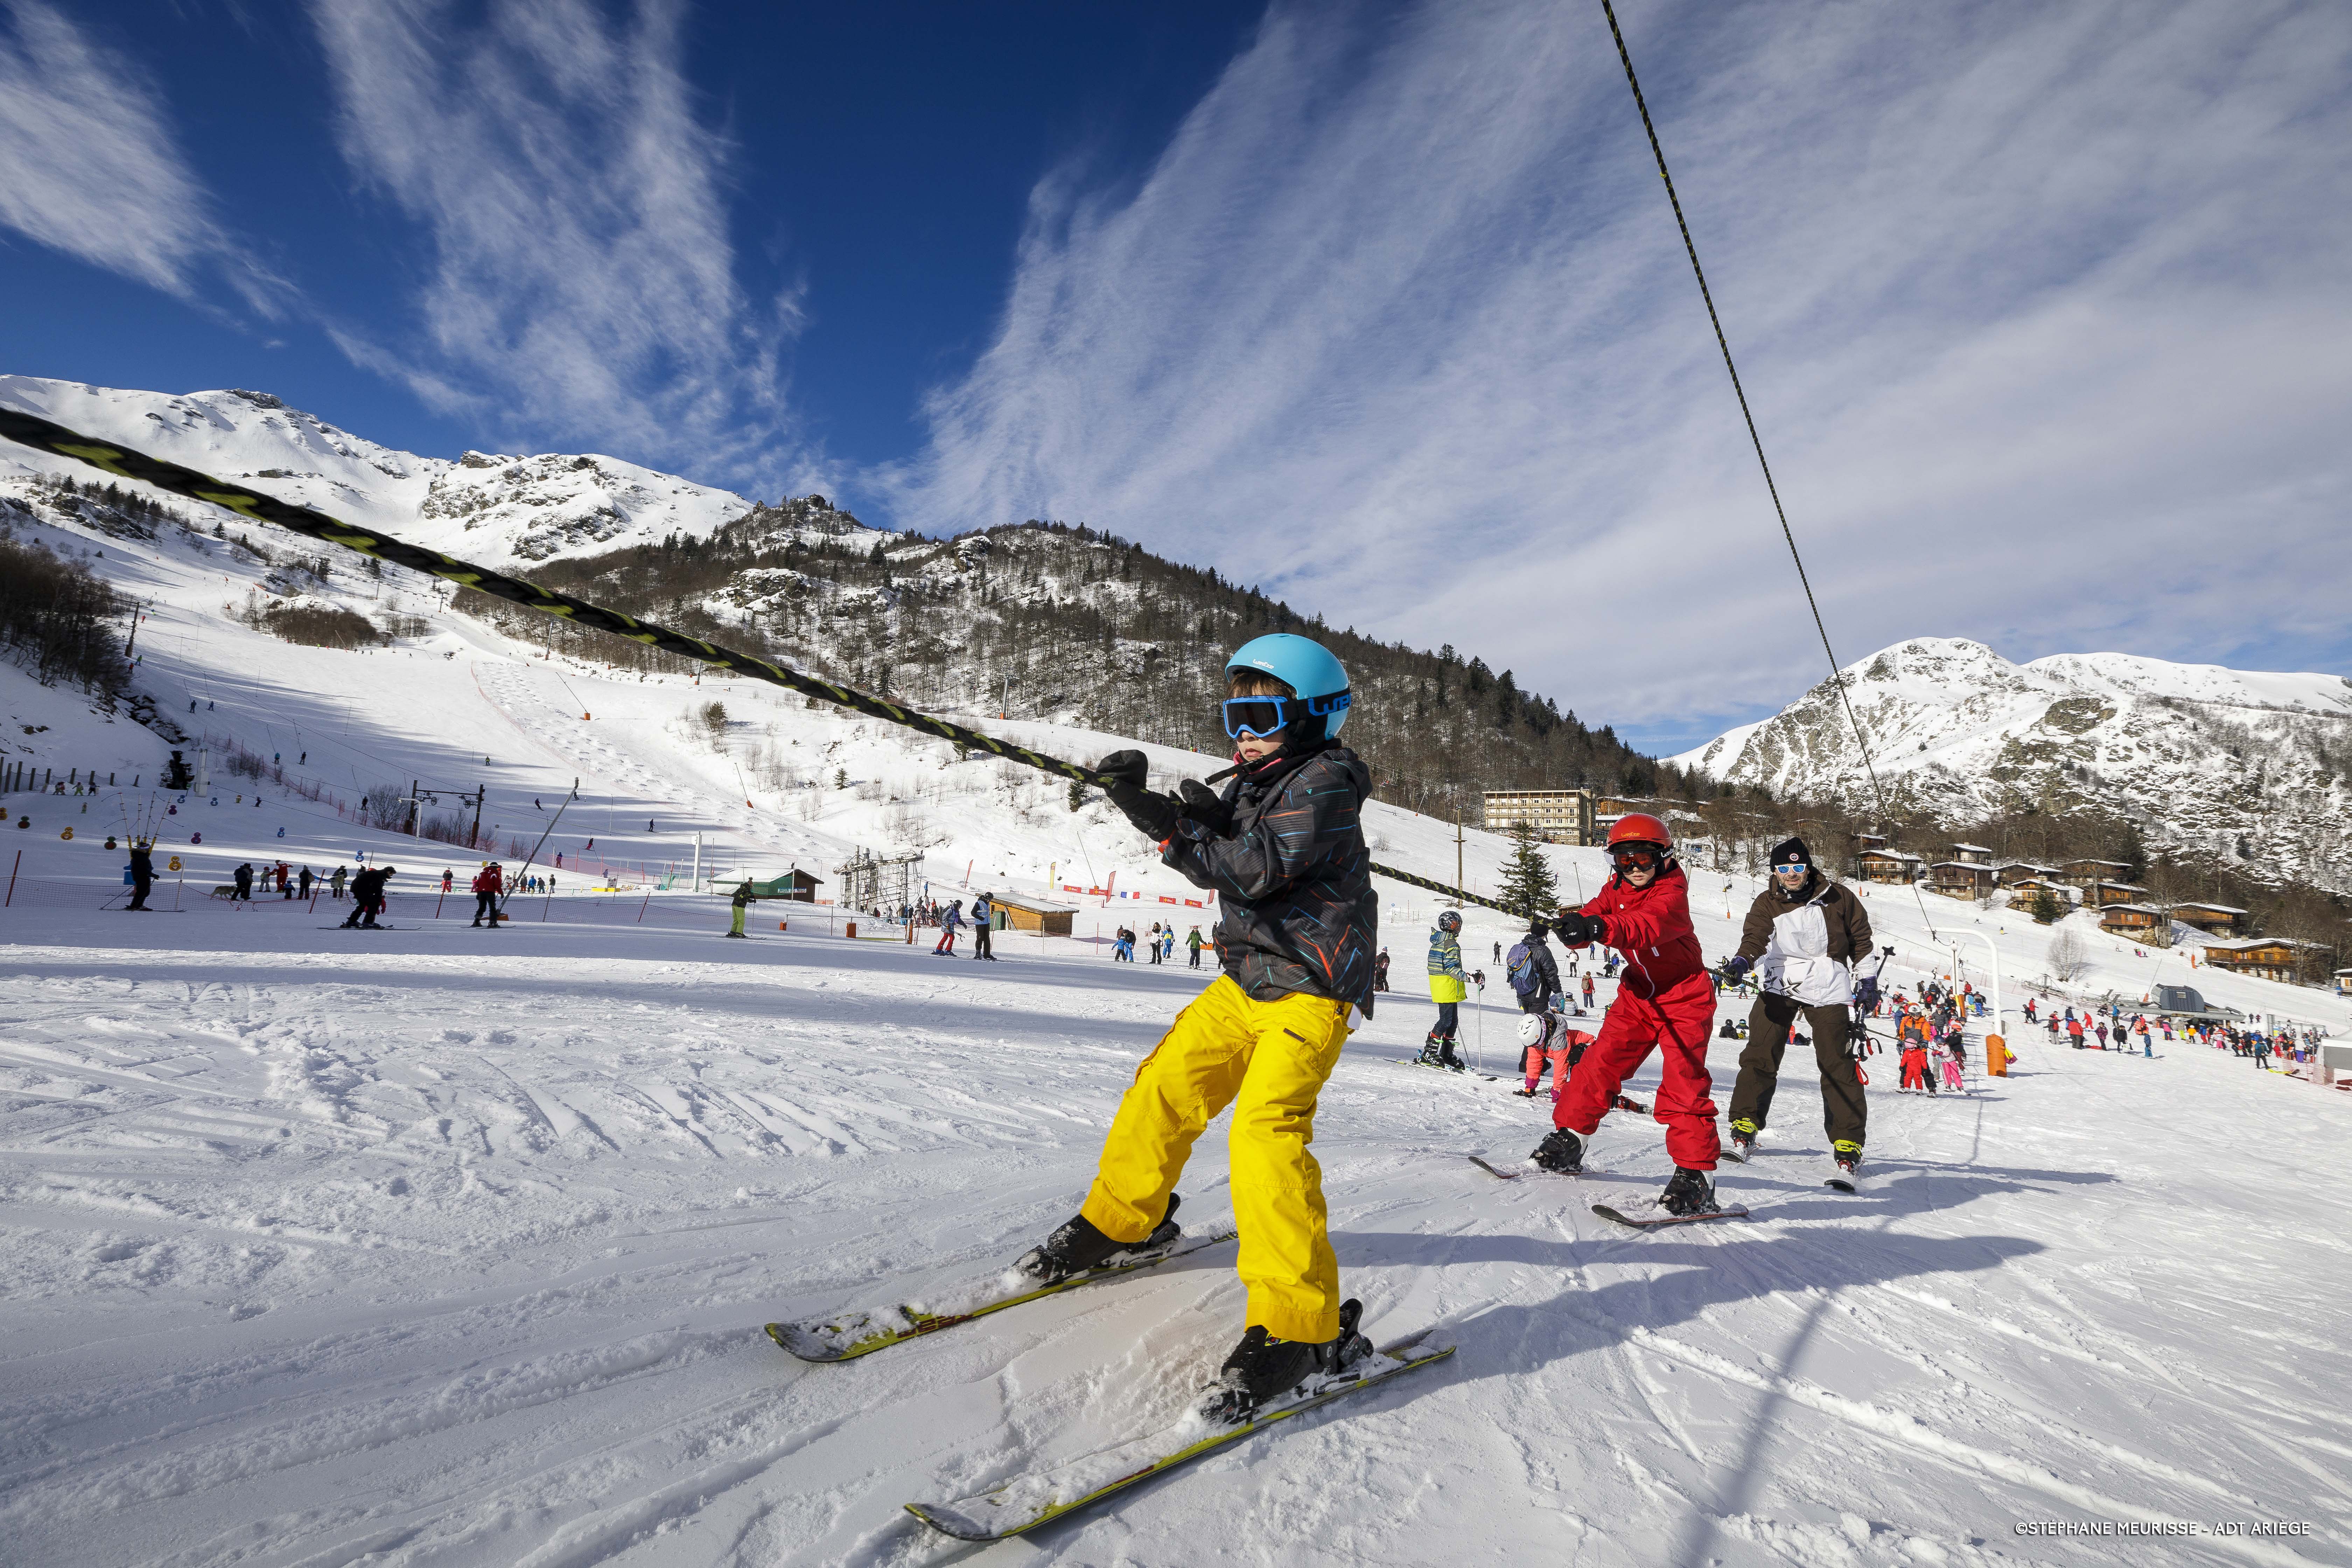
31,430
1837,675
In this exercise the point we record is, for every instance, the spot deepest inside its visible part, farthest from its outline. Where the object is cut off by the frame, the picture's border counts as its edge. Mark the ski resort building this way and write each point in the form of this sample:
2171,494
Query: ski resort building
2099,895
2143,921
2263,957
1046,920
2010,873
1887,866
2213,920
1962,878
1972,854
1557,816
2083,873
2025,890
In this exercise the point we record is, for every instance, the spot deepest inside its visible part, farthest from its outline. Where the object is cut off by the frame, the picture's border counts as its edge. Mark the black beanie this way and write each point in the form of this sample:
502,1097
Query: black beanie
1791,852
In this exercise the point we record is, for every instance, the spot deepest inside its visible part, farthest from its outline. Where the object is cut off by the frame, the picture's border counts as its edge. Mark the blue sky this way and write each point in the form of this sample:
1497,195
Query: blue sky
2042,309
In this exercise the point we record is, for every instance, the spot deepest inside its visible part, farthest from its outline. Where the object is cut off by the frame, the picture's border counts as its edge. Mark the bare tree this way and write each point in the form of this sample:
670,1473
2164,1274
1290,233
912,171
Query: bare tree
2068,958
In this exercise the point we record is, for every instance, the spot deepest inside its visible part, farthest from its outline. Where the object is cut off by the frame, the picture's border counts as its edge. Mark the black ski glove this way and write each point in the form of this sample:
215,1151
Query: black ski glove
1206,808
1153,814
1576,930
1736,968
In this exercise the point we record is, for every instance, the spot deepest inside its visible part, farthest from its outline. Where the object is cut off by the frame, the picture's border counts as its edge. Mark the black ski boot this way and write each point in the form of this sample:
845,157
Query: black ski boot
1449,1061
1562,1152
1847,1155
1263,1367
1688,1191
1077,1246
1433,1052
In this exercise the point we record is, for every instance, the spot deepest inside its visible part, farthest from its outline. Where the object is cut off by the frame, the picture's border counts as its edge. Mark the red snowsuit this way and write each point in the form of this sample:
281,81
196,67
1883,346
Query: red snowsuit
1665,998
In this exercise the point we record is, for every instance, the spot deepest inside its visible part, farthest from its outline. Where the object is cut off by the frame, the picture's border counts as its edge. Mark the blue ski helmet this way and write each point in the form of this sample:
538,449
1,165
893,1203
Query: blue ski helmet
1306,666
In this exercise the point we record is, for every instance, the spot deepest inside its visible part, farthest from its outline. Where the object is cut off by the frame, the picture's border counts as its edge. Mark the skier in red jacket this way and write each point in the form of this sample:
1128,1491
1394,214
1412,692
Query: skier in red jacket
488,884
1664,1000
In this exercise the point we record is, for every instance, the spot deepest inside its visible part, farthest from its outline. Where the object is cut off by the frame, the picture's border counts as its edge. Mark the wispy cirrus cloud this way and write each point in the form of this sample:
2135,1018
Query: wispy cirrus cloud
2038,309
88,164
582,285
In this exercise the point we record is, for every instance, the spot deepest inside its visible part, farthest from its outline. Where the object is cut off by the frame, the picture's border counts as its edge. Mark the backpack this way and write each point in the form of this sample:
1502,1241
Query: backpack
1521,969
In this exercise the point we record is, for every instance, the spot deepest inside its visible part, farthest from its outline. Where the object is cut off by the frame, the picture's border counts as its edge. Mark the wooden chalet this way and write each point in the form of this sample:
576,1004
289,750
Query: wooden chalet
2083,873
1023,914
2009,873
1962,879
2263,957
2025,890
2213,920
2134,920
1887,866
1972,854
1863,841
2099,895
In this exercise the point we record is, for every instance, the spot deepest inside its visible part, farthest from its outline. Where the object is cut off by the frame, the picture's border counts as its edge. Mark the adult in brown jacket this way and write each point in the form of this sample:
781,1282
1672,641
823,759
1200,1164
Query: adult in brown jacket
1804,936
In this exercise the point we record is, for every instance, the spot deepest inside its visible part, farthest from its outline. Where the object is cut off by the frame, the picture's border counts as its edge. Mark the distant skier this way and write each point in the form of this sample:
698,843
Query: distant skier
1802,936
1534,977
737,908
1155,942
950,923
1380,966
367,896
1588,988
1283,847
489,883
1194,944
1665,1002
307,880
1449,987
143,874
243,877
983,916
337,879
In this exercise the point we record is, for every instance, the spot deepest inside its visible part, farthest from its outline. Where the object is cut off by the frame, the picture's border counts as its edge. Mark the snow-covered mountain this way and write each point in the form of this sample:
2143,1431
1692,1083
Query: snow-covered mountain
505,511
2256,766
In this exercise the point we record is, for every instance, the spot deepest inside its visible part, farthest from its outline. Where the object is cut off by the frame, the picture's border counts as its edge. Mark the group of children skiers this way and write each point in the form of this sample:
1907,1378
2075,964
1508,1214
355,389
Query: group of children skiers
1282,846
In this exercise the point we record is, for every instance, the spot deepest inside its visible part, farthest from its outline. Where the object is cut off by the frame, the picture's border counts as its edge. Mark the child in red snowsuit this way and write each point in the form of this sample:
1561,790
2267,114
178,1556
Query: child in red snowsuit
1666,1002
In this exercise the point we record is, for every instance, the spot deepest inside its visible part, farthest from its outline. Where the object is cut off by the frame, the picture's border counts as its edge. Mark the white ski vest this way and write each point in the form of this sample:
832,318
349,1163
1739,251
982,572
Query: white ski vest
1797,962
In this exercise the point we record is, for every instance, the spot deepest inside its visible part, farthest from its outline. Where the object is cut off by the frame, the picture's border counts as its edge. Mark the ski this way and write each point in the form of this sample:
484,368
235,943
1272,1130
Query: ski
1605,1212
1459,1072
1028,1502
848,1335
1499,1176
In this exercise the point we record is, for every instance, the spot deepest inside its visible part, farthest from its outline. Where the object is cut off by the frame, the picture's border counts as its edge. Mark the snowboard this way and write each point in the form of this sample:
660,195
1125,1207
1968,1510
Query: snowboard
845,1336
1027,1502
1653,1222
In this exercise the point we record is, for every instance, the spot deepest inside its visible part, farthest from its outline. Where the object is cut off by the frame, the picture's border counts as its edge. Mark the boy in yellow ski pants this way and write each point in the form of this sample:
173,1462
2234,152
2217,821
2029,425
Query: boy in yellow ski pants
1268,1061
1282,848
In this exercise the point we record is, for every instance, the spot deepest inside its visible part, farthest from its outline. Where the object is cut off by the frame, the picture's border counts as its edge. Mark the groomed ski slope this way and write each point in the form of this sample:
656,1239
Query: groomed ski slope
438,1247
414,1248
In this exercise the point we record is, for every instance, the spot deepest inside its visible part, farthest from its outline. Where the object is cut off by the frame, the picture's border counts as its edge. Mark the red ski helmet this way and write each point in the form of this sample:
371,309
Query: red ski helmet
1641,827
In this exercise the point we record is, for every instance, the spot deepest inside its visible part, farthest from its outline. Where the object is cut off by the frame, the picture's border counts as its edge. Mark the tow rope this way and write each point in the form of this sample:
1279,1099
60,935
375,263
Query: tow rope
31,430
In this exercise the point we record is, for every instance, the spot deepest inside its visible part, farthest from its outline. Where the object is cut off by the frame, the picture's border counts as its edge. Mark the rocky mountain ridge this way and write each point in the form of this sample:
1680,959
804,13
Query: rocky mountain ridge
502,511
2255,768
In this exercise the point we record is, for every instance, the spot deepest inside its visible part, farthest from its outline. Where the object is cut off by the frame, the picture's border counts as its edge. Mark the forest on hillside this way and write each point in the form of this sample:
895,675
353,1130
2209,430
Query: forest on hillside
1046,620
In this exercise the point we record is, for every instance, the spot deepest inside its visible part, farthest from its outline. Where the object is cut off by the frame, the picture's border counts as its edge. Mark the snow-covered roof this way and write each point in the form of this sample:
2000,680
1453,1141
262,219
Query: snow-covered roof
1977,849
2217,909
2135,909
1966,866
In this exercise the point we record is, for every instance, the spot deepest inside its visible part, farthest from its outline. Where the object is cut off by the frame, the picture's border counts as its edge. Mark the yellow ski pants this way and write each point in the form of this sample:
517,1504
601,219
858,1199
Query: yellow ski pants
1268,1060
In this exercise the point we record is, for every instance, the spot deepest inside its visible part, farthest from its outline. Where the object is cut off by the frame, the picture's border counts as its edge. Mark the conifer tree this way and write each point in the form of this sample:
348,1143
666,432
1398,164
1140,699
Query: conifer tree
1528,885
